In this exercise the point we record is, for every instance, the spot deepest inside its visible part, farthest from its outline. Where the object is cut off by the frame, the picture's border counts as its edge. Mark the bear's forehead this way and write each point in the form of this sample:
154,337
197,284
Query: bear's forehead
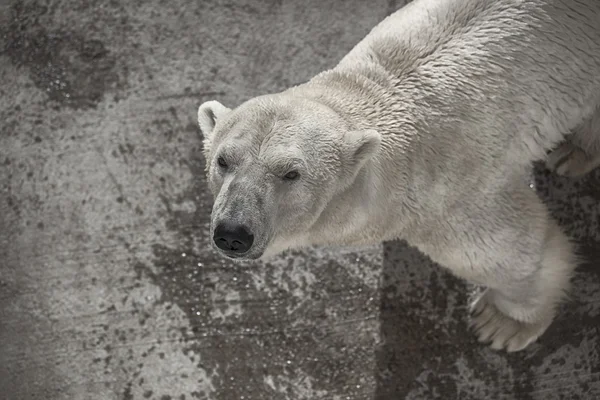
268,141
268,124
262,130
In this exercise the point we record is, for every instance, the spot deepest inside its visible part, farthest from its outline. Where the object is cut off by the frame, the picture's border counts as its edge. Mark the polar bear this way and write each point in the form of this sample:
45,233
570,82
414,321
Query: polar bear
425,131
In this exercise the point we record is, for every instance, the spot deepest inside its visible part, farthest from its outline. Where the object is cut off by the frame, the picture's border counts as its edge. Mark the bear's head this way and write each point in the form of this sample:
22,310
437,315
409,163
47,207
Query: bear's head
274,164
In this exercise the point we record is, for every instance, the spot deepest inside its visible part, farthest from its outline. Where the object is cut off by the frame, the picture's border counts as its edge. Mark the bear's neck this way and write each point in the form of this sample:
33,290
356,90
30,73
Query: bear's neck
361,213
367,98
358,215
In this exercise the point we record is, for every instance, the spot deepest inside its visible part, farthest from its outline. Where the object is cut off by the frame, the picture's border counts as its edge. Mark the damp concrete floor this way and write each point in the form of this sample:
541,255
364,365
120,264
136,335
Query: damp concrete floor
109,288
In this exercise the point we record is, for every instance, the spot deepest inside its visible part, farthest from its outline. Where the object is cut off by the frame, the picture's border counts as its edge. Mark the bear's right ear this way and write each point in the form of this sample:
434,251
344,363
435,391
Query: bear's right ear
208,114
361,146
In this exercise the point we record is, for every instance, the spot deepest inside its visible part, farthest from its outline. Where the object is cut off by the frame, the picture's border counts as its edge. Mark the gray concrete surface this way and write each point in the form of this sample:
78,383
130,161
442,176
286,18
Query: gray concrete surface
108,286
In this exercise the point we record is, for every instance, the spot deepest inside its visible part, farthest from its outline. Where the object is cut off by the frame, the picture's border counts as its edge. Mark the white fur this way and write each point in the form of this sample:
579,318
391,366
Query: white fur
426,131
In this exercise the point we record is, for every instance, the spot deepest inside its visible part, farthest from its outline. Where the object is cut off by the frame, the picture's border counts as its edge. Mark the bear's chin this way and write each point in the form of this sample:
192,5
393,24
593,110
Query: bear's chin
240,258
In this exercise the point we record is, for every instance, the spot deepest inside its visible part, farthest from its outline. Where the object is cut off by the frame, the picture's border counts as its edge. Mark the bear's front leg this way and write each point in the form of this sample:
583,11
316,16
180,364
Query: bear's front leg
520,302
508,243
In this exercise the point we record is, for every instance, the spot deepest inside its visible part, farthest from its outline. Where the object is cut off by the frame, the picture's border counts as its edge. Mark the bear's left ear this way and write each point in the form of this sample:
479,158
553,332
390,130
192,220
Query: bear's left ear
361,146
208,114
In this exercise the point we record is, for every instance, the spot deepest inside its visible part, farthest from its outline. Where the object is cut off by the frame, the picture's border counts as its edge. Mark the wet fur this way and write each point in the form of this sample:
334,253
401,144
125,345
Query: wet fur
451,101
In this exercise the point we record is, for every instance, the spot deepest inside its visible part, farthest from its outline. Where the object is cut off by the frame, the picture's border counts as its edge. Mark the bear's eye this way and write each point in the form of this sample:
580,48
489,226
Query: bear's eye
291,176
222,163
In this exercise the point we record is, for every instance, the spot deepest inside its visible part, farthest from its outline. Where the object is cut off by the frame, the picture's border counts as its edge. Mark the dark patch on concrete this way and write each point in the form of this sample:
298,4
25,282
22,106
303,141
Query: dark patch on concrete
127,395
413,342
417,341
570,214
393,6
70,67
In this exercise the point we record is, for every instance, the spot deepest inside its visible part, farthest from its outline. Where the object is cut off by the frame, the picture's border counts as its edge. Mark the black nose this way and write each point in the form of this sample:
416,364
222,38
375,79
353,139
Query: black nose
233,238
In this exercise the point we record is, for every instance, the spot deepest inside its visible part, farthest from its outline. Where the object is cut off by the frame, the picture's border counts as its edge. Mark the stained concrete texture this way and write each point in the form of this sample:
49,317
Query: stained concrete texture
108,286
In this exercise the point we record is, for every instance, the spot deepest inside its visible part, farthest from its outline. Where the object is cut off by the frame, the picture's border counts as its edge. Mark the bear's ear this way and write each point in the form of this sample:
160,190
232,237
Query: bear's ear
361,146
208,114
